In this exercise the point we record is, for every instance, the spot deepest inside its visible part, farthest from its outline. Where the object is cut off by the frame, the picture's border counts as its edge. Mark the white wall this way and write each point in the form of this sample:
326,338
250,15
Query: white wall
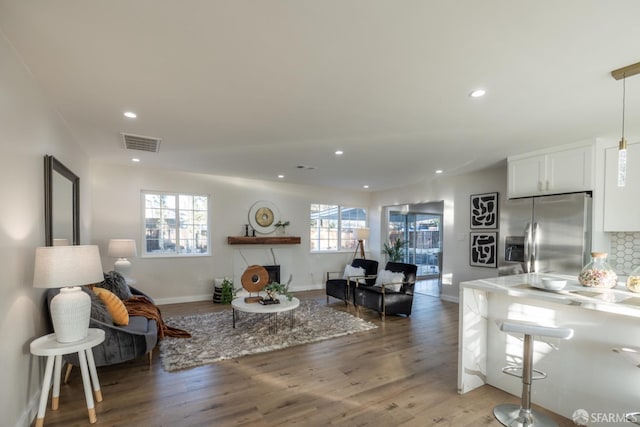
117,214
455,192
29,129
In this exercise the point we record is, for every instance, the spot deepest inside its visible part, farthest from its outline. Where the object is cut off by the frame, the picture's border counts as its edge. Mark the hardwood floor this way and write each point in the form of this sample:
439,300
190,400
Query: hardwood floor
400,374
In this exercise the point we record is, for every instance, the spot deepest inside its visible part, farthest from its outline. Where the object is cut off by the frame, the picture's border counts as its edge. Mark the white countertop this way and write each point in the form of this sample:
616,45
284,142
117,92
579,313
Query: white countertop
617,300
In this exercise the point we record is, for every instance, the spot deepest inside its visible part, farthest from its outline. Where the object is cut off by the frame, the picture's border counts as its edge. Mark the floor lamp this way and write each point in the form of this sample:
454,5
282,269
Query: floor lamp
362,234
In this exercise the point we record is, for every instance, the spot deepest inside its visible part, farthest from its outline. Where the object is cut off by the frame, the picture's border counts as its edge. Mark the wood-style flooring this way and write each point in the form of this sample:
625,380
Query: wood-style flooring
400,374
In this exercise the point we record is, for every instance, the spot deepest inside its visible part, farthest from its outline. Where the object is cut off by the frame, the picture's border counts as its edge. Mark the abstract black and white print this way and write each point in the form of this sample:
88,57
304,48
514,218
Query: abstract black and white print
484,249
484,210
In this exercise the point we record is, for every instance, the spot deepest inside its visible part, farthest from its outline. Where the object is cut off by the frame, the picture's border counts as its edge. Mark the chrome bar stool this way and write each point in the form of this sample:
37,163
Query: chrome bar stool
632,354
522,415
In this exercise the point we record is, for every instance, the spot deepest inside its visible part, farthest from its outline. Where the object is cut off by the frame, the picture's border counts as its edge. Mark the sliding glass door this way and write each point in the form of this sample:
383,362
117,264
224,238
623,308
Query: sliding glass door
422,233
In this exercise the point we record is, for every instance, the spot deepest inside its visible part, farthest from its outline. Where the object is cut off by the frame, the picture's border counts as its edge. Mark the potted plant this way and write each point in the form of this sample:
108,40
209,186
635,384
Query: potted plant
228,291
274,289
395,250
282,225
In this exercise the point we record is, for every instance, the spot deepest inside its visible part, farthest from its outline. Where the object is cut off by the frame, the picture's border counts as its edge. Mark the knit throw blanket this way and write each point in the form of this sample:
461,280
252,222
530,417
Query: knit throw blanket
141,306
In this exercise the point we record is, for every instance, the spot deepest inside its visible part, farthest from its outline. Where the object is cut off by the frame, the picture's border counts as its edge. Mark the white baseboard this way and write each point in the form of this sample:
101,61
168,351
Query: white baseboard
30,411
177,300
450,298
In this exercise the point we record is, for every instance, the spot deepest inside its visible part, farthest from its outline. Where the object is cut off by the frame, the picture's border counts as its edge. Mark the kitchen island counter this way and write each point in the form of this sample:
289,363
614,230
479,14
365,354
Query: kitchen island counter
584,372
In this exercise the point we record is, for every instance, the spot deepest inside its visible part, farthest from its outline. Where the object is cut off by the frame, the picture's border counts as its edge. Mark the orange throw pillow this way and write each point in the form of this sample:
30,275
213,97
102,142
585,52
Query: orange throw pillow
115,306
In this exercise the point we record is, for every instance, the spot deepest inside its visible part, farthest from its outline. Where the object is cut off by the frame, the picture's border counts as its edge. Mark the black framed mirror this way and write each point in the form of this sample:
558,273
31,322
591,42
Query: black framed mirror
61,204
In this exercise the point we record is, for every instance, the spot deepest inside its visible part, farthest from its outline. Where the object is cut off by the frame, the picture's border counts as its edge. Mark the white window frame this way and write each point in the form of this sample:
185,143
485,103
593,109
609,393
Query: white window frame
176,253
339,230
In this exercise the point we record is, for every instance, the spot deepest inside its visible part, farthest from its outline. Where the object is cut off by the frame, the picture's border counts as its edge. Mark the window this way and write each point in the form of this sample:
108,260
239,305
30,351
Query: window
175,224
333,227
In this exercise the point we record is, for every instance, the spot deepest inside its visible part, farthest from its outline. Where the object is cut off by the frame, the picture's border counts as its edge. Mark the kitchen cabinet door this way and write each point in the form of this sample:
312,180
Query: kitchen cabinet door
526,176
621,203
569,170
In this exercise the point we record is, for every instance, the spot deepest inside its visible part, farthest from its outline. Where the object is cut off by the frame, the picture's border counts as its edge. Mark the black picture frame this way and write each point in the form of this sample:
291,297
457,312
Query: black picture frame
484,211
483,249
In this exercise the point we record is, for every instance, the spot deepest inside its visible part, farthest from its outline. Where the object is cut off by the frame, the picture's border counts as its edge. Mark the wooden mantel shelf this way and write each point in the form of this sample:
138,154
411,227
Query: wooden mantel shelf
267,240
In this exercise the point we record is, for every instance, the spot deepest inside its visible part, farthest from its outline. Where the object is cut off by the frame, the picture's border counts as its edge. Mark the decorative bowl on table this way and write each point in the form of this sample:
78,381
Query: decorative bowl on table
553,284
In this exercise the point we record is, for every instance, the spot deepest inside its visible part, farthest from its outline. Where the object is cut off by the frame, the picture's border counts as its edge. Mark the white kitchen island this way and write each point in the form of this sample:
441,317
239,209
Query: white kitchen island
583,373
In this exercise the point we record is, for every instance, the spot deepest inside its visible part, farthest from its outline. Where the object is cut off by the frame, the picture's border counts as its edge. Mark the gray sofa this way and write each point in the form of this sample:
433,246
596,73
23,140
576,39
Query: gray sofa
122,343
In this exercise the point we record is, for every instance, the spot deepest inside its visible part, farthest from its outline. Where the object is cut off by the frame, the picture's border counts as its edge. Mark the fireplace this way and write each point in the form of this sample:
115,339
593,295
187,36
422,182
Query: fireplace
274,273
277,261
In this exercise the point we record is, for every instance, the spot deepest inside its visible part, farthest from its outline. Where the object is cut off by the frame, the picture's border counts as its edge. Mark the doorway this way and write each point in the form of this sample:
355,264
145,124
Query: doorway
420,226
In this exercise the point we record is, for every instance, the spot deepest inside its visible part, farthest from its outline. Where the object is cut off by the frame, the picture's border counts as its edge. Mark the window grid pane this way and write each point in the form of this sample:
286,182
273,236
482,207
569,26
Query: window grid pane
332,227
174,226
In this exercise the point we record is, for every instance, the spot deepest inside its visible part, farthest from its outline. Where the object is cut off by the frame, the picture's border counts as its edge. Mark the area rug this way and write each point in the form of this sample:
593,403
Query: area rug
213,338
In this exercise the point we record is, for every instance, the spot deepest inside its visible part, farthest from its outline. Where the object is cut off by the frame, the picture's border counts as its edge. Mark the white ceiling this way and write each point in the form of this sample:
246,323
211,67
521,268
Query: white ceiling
253,88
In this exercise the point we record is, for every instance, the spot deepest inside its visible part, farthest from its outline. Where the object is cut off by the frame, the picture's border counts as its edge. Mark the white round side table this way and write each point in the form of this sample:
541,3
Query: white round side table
48,346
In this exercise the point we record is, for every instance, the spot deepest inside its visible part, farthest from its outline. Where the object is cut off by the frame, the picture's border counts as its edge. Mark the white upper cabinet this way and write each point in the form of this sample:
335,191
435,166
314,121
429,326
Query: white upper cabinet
621,204
563,169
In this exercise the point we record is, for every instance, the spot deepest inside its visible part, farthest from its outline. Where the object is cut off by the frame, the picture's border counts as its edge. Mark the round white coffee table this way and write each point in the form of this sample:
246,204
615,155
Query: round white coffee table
285,306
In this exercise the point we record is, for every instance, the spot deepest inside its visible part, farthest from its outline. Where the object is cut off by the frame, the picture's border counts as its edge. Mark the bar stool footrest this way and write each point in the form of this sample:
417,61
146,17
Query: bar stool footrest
516,371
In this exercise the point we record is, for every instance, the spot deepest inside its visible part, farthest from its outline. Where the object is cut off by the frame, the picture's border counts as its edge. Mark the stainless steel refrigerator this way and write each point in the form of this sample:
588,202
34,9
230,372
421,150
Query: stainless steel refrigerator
546,234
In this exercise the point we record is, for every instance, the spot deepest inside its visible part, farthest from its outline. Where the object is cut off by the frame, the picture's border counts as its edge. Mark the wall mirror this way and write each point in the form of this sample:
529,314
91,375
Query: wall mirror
61,204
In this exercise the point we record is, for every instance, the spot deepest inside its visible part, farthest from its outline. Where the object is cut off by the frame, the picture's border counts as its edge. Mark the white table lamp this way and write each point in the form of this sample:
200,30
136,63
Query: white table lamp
122,249
68,267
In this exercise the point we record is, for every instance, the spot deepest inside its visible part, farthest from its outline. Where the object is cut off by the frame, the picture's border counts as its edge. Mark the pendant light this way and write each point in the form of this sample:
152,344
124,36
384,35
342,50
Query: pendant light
623,73
622,145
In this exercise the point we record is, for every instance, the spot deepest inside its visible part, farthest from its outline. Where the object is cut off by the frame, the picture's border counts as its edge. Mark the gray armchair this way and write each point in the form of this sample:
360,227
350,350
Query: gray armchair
122,343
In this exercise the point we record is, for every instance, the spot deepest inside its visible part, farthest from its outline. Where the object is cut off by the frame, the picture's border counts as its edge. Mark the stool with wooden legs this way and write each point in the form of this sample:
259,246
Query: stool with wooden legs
522,415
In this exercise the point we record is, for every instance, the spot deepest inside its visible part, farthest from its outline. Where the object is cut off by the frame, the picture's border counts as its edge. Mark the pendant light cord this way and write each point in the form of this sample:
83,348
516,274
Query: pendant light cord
624,80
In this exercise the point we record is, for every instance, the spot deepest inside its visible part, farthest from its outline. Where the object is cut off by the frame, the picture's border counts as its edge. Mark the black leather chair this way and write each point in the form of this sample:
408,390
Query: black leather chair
342,289
383,298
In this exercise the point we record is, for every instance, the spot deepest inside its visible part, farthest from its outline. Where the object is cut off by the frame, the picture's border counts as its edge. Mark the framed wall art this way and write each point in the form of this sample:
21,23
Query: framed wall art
483,251
263,216
484,210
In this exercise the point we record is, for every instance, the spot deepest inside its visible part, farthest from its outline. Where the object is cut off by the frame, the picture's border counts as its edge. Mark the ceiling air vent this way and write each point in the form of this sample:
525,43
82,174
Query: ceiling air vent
141,143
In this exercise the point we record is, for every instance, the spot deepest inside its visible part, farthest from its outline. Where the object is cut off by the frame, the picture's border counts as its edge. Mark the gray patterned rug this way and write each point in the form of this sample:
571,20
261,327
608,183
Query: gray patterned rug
214,339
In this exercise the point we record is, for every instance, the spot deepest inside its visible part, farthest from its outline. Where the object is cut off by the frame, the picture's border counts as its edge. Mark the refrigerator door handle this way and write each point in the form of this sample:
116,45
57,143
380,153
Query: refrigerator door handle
526,264
534,247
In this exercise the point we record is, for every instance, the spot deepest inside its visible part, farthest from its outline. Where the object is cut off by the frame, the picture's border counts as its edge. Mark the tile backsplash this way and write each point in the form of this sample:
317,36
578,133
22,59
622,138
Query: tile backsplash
624,255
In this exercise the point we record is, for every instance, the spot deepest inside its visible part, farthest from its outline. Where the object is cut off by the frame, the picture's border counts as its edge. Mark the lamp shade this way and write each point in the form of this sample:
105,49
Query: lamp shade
362,233
68,267
122,248
60,266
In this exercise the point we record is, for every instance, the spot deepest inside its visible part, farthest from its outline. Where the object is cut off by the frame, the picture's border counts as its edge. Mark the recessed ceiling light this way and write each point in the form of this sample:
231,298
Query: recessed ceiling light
130,114
365,186
280,176
438,171
135,160
478,93
339,152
